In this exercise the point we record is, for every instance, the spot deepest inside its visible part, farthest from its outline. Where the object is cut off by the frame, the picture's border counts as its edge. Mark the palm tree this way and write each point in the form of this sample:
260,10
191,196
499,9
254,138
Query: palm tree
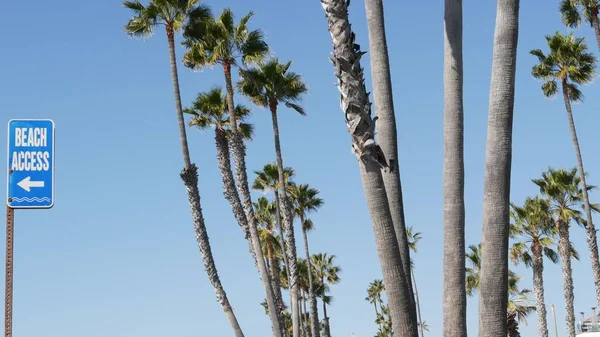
371,160
374,296
171,14
561,188
533,224
219,41
387,137
455,297
267,86
413,239
571,11
327,273
496,191
304,199
569,64
517,307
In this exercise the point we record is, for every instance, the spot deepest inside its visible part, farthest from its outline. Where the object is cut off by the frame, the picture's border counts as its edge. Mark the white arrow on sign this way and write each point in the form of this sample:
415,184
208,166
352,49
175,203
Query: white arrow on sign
26,184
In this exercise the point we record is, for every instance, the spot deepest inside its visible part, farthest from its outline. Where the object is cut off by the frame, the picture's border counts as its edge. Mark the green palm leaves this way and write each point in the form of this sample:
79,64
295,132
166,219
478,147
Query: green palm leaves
170,13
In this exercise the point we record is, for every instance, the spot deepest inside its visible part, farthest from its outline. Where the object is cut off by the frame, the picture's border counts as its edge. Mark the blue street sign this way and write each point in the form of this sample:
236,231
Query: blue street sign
30,181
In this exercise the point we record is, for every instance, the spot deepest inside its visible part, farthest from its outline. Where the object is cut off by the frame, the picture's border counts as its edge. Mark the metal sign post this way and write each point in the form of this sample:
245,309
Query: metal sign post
30,184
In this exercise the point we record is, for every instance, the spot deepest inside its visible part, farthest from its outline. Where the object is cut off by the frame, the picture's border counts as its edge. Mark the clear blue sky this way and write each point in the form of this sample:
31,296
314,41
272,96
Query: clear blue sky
117,256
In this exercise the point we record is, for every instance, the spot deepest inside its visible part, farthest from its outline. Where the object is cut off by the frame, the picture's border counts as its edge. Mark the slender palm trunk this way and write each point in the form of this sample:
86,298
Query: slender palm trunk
307,329
314,313
455,295
189,175
288,224
596,26
281,231
419,319
301,319
239,158
538,289
356,107
326,319
496,196
273,267
565,256
589,225
386,130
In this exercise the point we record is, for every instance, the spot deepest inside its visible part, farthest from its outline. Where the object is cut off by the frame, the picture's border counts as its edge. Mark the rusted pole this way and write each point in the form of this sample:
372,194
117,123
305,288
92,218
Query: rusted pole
10,226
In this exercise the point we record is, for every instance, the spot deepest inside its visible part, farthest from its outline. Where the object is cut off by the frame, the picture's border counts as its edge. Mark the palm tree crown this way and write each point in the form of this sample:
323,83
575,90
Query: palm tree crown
170,13
568,62
272,83
220,41
210,110
571,11
268,178
304,199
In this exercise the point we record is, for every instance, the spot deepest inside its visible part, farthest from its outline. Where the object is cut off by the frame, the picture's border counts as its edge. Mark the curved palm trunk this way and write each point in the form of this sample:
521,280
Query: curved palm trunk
419,320
596,26
565,256
455,295
288,226
239,158
314,313
189,175
386,130
356,107
538,289
589,226
496,196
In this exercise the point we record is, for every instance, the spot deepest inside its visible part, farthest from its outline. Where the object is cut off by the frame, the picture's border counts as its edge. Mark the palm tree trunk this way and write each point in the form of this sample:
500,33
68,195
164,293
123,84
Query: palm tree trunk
596,26
496,196
314,313
189,175
306,315
455,295
239,158
356,107
273,266
589,225
419,320
288,225
538,289
512,325
327,329
565,256
281,231
386,129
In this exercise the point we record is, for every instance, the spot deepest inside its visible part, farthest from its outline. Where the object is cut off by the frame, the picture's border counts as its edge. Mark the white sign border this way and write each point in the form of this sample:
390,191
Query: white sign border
8,159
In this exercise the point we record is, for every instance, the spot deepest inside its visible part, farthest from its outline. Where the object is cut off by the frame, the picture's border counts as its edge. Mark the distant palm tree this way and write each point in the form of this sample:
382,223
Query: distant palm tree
375,297
535,229
561,188
570,64
172,14
328,274
267,86
413,239
571,11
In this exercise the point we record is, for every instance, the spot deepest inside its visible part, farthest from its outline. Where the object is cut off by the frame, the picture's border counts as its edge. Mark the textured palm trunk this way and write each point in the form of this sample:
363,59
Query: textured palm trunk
189,175
288,225
565,256
538,289
356,107
589,226
386,129
307,328
281,231
596,26
239,158
455,295
418,305
326,319
493,296
314,312
301,319
273,267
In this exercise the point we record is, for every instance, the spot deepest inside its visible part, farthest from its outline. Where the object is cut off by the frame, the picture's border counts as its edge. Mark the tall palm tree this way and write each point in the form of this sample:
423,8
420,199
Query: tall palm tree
562,190
304,200
375,297
413,239
171,14
387,134
571,11
371,160
569,64
328,274
219,41
534,227
455,297
267,86
496,191
517,307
